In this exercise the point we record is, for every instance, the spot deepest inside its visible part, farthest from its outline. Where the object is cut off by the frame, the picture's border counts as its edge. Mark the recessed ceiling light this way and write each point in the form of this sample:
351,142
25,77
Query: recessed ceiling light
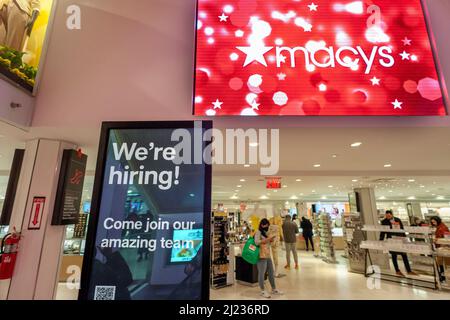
440,198
382,198
253,144
412,198
246,166
314,191
299,180
234,197
334,156
422,186
263,197
324,198
356,144
239,186
411,180
242,180
285,186
317,166
330,186
354,180
294,198
388,165
390,191
191,195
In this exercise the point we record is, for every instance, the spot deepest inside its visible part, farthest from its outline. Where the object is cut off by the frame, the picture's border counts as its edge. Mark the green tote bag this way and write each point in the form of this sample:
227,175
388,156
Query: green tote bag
250,253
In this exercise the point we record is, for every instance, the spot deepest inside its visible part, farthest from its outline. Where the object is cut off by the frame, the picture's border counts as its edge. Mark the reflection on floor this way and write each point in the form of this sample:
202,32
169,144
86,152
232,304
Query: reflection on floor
317,280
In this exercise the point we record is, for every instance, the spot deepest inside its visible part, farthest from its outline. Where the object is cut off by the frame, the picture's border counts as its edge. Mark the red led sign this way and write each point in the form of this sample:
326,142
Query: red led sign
273,183
322,57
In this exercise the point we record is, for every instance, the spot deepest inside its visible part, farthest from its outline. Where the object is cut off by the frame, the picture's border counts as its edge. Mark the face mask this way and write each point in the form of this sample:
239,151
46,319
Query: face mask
266,229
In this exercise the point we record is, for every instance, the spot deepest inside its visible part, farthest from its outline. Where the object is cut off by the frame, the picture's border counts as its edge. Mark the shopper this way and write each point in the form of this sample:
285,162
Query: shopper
417,222
307,228
295,220
290,231
441,230
265,264
396,223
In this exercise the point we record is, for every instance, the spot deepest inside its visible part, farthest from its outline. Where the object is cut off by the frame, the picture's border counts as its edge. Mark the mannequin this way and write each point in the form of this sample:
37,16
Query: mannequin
275,230
17,18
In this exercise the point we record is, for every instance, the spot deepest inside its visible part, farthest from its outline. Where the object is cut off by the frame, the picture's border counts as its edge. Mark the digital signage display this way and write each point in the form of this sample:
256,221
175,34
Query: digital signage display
23,30
160,249
188,251
321,57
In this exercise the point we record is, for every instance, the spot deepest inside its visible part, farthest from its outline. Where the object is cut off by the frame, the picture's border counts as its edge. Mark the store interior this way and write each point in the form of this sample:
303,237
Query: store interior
317,175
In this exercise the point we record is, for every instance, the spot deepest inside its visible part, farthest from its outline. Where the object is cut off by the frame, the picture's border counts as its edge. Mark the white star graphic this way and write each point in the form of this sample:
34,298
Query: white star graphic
406,41
405,55
255,105
281,76
223,18
217,104
375,81
307,28
312,7
397,104
255,53
282,58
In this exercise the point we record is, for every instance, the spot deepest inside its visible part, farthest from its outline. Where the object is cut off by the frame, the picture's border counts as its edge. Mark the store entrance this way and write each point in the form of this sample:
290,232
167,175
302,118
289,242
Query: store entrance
323,174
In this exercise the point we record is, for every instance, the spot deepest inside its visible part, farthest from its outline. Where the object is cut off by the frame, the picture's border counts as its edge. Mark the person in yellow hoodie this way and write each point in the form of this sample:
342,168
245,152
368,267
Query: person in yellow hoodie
17,18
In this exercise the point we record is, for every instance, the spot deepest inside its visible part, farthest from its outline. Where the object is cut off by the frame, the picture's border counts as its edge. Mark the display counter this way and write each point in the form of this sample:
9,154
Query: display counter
339,243
246,273
69,261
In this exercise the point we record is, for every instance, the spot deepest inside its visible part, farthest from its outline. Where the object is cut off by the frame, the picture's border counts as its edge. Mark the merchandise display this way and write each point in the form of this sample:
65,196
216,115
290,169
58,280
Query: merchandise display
420,253
353,237
323,228
220,250
443,255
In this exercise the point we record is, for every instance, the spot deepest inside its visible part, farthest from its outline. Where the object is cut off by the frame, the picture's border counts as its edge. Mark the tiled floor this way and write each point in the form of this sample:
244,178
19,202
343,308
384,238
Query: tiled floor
314,280
317,280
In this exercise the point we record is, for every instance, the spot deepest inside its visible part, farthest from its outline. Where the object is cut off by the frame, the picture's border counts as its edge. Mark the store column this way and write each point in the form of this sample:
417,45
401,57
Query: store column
36,271
369,214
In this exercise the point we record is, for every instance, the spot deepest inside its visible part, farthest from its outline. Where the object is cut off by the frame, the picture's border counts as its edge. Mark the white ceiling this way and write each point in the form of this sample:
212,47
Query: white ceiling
314,188
419,153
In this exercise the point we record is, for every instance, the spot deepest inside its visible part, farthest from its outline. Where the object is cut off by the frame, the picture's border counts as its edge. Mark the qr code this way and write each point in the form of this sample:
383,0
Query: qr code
105,293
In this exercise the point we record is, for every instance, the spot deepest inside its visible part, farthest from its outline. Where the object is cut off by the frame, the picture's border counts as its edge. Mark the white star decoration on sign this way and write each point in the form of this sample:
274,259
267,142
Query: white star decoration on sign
217,104
255,53
406,41
312,7
375,81
405,55
397,104
281,76
223,18
255,105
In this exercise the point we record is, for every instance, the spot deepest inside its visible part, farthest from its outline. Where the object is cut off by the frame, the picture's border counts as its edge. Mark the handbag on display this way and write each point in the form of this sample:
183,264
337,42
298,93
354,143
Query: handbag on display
250,252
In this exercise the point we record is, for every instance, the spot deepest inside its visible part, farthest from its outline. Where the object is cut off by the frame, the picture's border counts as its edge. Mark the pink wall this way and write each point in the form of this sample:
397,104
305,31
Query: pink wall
133,60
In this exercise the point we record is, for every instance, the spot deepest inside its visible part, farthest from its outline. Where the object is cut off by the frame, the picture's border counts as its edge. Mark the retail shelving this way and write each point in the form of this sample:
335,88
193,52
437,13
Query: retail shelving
443,253
323,227
353,237
220,250
405,244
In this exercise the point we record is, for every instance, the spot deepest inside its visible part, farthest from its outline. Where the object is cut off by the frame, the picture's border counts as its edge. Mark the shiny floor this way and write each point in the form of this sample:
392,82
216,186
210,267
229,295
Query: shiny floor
315,280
